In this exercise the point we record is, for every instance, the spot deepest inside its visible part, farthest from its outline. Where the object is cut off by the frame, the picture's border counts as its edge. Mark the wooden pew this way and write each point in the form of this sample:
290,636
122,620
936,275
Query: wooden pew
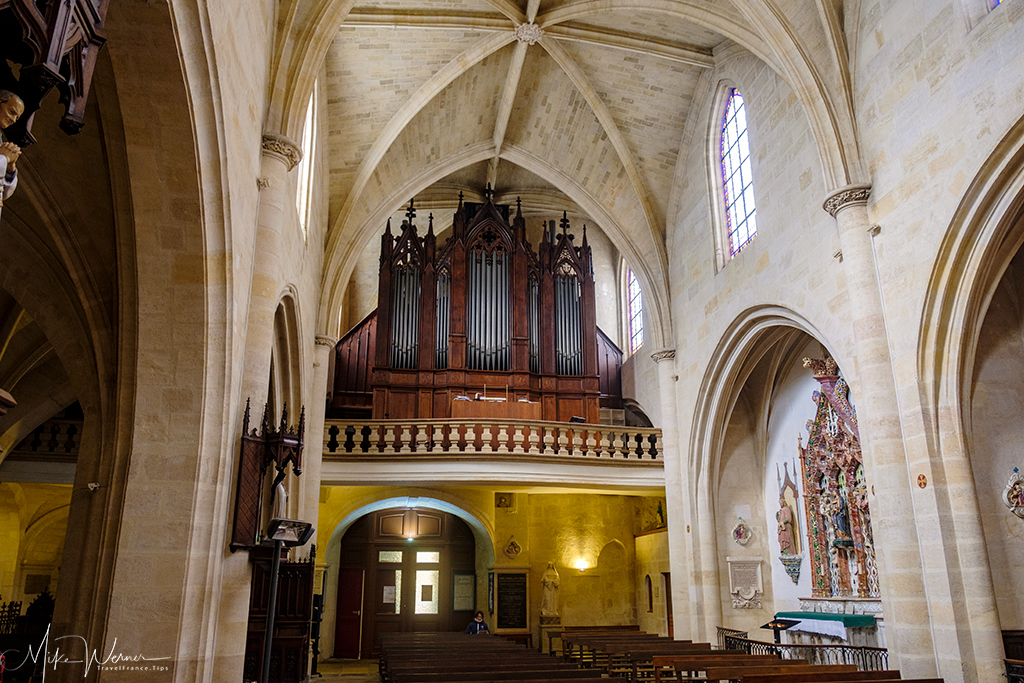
553,635
698,662
815,677
485,672
595,679
735,671
636,659
458,658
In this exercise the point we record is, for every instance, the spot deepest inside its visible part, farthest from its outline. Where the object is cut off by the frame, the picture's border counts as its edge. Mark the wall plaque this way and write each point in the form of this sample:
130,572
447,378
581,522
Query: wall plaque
463,592
511,597
745,582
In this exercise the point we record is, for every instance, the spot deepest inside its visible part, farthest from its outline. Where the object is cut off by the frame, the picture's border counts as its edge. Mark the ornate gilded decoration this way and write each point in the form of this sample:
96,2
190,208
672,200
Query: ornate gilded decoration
528,33
845,196
1013,494
282,148
840,542
825,367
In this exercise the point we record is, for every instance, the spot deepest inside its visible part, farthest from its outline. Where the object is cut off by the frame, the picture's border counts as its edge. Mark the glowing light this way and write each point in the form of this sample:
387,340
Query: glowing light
582,565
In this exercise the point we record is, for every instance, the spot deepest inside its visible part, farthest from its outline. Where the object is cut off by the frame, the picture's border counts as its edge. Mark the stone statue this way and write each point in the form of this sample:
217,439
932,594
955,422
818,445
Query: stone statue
549,597
11,109
280,509
784,517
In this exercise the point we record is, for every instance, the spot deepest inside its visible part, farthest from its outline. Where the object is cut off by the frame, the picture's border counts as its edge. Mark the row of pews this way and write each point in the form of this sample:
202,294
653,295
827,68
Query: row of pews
597,655
629,654
462,658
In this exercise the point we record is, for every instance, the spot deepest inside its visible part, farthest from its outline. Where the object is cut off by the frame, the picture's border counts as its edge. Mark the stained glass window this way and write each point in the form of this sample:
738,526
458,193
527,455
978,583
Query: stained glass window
737,179
636,312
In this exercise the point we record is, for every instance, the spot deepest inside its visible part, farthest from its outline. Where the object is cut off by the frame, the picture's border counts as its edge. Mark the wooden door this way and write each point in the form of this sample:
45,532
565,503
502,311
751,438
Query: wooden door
408,559
348,628
668,603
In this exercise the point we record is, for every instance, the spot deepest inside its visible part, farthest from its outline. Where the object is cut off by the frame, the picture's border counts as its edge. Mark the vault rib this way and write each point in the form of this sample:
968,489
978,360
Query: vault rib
505,104
597,105
426,93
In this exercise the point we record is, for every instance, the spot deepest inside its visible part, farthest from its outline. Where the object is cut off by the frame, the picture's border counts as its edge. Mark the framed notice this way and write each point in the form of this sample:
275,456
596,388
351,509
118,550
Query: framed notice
463,591
511,597
490,592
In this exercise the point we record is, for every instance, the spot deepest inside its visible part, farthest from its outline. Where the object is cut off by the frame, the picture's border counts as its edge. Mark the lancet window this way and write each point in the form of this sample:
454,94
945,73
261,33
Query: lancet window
737,176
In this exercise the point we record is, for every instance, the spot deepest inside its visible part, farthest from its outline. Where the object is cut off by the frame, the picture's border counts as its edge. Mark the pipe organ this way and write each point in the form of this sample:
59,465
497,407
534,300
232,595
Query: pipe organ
483,311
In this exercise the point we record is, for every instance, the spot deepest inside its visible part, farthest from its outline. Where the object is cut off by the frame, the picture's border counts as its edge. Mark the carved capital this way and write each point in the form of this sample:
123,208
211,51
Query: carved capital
528,33
846,196
324,340
664,354
283,148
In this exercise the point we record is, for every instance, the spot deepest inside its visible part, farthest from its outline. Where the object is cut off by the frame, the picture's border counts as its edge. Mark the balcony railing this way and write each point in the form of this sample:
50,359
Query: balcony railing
1014,670
521,439
866,658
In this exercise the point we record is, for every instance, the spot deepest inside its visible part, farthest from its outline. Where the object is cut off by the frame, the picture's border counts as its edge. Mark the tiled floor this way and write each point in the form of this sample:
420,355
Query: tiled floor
348,671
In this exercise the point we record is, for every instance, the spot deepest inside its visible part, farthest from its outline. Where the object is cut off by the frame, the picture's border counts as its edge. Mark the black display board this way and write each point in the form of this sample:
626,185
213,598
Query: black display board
511,597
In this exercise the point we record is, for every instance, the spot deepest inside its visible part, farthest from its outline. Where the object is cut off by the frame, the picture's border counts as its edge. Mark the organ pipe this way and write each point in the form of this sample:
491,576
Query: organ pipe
443,307
500,305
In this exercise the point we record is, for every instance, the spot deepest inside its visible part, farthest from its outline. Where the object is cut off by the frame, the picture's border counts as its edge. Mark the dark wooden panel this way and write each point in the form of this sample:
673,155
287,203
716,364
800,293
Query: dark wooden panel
292,618
609,371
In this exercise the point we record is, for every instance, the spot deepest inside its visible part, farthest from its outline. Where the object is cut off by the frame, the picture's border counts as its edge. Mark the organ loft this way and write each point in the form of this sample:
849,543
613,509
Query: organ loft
482,315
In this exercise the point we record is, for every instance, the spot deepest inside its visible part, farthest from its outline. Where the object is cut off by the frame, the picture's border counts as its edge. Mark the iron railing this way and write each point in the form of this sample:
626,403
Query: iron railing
723,632
1014,670
865,658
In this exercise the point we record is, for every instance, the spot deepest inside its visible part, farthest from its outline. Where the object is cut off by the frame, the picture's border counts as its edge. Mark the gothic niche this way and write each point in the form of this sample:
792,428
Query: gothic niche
840,543
788,523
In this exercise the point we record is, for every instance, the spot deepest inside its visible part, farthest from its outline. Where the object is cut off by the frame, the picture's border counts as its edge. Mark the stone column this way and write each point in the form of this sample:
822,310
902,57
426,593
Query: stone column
280,156
675,495
893,519
312,455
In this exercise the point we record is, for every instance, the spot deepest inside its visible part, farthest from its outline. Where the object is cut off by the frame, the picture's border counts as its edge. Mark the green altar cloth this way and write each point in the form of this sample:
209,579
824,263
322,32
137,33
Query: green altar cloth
848,620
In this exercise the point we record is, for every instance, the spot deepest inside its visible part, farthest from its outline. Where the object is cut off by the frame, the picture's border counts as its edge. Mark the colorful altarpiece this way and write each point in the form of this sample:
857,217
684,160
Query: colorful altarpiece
840,543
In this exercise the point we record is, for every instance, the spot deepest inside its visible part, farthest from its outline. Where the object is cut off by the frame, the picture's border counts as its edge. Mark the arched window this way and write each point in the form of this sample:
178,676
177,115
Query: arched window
634,312
305,186
737,179
650,593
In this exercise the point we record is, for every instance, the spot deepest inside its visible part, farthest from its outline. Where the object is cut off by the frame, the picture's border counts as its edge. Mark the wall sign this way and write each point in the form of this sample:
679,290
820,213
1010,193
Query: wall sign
463,591
511,596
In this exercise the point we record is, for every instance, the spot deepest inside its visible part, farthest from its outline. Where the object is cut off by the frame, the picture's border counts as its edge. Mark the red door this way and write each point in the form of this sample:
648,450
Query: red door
350,604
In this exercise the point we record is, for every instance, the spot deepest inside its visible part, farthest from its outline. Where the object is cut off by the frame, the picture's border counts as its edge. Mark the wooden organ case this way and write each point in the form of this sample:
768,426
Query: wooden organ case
481,314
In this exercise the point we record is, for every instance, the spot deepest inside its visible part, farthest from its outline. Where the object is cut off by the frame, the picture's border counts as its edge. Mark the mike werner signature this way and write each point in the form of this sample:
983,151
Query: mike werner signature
52,655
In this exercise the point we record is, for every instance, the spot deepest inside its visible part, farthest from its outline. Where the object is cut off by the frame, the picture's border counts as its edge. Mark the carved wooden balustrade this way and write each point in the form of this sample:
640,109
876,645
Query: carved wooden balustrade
516,439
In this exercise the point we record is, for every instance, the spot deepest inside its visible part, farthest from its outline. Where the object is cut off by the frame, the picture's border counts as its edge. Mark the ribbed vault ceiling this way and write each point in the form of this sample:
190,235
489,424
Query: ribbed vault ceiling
425,97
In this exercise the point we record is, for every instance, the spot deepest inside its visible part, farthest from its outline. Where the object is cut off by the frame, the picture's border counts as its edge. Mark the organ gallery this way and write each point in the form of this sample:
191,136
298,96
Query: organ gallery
483,314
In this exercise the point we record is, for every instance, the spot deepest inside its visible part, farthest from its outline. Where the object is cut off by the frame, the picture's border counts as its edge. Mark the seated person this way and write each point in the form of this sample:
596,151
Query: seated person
477,625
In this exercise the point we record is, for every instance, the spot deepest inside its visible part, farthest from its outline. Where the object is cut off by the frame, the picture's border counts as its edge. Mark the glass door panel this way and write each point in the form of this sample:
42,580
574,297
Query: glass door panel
389,599
427,585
